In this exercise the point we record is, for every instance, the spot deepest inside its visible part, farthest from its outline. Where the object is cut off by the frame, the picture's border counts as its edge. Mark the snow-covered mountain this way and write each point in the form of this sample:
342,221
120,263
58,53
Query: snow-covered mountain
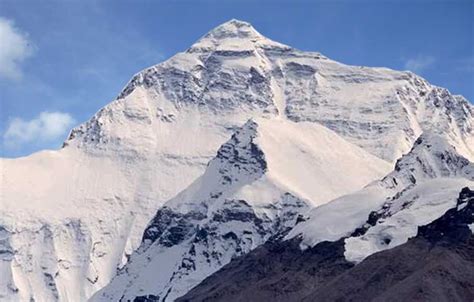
385,214
261,180
435,265
70,218
234,72
388,212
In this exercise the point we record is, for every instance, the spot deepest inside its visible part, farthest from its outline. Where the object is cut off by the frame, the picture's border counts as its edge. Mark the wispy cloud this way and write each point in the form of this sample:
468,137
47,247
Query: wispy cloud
419,63
47,126
15,48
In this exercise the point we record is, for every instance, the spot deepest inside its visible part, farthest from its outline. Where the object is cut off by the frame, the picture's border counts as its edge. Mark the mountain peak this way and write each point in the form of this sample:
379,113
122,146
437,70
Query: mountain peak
234,35
431,156
233,29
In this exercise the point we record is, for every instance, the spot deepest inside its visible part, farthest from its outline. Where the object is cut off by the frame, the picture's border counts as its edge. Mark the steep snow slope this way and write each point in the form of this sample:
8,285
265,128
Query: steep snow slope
268,173
386,213
84,207
79,215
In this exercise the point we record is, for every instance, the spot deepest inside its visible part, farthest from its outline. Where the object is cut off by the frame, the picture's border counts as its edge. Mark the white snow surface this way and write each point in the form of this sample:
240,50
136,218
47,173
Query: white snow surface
69,218
429,201
424,185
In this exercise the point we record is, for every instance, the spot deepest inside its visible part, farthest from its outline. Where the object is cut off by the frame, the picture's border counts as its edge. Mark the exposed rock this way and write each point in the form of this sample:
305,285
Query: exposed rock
436,265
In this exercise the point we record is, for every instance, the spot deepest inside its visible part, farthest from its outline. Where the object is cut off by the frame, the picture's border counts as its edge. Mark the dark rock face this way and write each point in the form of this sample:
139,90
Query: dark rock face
170,227
149,298
452,228
415,271
276,271
436,265
241,152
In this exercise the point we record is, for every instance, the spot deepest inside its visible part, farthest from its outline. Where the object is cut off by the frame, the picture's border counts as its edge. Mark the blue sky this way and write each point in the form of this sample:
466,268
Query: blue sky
61,61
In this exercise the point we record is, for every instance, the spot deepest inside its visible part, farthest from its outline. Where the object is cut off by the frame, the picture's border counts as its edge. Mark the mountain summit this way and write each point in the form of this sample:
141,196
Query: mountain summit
233,29
234,73
235,35
69,219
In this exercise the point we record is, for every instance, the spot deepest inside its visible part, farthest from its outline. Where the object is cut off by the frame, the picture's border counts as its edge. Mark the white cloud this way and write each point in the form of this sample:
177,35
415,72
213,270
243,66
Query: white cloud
420,63
47,126
15,48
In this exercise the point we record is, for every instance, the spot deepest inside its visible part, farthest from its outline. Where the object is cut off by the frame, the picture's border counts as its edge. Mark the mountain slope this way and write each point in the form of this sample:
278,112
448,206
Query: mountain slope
333,237
234,71
435,265
261,180
387,212
71,217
